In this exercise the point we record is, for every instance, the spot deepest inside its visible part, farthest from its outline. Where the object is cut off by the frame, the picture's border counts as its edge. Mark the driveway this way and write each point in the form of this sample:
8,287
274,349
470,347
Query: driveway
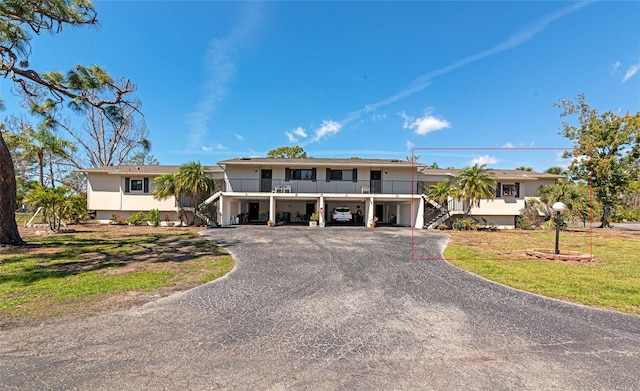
339,308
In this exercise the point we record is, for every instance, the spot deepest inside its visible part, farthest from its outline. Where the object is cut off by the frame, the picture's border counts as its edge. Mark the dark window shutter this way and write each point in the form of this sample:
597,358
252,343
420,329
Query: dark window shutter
287,174
517,189
313,174
328,175
355,175
145,185
498,190
126,184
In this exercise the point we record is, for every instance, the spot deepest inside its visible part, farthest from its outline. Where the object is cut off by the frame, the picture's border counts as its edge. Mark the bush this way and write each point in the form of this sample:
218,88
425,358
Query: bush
626,215
117,219
529,218
548,225
139,218
154,217
466,224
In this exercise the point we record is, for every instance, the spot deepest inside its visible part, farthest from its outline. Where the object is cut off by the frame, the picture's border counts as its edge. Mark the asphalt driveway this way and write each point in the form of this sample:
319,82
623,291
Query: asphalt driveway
341,308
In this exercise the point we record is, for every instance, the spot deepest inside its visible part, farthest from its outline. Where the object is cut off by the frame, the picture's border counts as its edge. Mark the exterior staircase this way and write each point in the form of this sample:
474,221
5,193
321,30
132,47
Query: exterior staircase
434,212
206,211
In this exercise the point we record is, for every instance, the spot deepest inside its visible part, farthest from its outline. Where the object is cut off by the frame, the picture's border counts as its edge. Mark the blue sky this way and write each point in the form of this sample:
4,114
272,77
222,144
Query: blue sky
219,80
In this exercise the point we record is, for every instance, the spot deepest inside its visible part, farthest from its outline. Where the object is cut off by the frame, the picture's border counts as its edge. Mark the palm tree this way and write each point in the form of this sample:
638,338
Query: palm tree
42,143
441,192
575,196
165,187
474,184
194,181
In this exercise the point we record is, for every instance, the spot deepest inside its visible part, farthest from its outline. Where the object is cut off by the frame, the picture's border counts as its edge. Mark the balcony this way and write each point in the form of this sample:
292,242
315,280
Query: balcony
320,186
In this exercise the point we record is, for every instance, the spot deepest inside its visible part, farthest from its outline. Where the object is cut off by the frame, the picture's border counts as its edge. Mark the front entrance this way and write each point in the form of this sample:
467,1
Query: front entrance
254,211
310,209
379,208
376,182
265,181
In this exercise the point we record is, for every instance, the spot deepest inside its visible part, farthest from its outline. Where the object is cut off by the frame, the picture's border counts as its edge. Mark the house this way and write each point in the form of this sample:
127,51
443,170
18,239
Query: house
514,188
283,190
290,190
126,190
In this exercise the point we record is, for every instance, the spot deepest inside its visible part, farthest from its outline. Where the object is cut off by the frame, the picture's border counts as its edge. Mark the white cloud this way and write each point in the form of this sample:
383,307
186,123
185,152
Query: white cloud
424,125
294,135
614,67
422,82
378,117
292,138
507,145
633,69
300,132
410,145
206,149
484,159
220,146
328,128
238,136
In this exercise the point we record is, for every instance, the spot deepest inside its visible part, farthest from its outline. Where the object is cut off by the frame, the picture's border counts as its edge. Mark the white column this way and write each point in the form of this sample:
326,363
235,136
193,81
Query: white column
221,211
272,209
418,212
321,210
398,214
370,211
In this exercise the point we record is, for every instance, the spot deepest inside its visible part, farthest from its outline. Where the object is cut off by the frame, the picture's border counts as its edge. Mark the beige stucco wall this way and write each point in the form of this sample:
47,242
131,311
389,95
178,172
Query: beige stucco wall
106,193
499,206
103,192
531,188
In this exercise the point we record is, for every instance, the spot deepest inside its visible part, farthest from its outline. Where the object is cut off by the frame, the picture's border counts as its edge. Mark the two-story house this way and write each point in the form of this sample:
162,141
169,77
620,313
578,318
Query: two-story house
288,191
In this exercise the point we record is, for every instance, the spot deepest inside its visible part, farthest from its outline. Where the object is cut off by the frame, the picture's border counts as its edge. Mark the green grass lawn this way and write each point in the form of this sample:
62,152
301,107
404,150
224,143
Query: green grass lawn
611,281
102,267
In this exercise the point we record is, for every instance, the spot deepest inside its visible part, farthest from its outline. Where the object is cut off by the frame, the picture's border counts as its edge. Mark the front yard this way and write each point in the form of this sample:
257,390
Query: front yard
611,281
101,267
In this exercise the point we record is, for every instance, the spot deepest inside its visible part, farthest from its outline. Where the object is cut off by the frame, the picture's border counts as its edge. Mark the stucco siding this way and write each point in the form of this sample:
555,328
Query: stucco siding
103,192
499,206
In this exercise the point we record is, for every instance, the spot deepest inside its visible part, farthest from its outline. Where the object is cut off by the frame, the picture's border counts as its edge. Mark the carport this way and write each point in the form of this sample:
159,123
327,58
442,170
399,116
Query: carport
298,207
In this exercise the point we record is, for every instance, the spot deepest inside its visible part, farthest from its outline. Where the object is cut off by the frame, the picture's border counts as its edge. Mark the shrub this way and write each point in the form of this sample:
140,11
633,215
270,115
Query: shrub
117,219
626,215
139,218
154,217
466,224
548,225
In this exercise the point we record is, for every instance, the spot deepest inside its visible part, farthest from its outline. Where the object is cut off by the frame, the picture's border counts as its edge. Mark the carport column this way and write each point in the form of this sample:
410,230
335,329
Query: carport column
417,214
321,210
370,211
221,210
398,214
272,209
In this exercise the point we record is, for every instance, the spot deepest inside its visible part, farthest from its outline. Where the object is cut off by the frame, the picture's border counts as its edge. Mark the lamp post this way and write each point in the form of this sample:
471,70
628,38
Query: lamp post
558,207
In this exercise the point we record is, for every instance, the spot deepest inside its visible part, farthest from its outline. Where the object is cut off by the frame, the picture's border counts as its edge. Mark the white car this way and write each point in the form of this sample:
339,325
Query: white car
341,214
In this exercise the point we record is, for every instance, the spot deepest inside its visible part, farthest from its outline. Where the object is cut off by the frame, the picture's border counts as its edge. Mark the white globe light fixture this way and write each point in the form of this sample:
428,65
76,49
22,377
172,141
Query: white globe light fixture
558,207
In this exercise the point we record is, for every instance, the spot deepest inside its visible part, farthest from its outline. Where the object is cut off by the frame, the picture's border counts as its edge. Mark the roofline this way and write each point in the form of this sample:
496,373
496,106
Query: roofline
315,161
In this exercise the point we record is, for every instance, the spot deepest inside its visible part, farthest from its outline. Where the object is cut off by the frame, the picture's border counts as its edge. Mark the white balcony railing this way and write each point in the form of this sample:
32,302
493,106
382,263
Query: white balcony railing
320,186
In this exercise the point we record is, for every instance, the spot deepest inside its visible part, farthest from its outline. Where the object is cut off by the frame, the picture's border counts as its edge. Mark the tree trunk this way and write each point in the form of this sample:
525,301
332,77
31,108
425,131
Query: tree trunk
606,210
8,228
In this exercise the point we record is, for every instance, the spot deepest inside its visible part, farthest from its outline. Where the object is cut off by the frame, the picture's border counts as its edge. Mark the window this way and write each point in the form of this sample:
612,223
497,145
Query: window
510,189
136,185
140,185
342,175
299,174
